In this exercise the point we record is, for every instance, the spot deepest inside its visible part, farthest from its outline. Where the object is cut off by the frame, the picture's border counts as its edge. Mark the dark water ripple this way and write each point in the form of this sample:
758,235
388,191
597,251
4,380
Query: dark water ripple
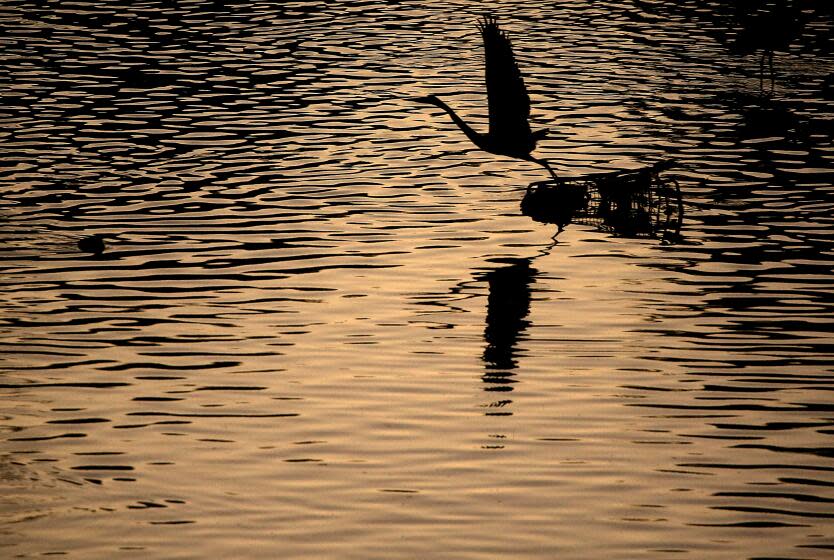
320,312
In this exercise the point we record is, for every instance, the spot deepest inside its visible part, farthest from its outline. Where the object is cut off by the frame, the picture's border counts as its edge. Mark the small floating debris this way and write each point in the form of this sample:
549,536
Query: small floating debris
93,244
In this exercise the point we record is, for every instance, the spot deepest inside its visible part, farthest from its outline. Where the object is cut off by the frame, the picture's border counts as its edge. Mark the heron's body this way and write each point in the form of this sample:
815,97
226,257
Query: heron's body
509,105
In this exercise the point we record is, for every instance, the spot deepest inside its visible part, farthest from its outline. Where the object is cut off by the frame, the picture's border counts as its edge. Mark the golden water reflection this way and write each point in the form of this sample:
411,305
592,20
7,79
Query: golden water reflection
324,326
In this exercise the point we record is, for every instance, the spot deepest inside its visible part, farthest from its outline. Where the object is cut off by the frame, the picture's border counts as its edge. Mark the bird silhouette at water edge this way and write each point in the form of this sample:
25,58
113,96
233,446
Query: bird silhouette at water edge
509,105
767,27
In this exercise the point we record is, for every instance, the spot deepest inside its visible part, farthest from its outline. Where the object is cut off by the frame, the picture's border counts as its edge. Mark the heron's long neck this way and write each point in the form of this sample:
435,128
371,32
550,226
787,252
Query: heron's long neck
476,138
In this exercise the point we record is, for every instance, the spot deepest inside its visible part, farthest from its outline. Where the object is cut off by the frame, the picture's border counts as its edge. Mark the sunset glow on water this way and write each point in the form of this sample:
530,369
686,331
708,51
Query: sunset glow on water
323,326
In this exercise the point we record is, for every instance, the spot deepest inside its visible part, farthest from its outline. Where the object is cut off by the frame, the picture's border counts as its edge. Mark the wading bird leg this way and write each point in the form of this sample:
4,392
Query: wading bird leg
761,74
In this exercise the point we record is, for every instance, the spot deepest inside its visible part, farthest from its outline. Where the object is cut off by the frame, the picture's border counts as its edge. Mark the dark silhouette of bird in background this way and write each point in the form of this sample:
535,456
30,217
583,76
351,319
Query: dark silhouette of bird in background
509,105
769,26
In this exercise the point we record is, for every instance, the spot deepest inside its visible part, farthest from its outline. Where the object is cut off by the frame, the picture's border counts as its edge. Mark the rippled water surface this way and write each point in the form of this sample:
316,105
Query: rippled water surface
323,328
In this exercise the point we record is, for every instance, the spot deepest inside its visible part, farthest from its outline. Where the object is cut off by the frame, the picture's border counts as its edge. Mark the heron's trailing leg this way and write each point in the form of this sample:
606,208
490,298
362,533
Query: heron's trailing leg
546,165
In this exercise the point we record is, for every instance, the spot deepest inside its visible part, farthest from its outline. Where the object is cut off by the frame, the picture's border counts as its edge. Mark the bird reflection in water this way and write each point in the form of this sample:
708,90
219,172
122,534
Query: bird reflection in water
508,305
764,117
626,202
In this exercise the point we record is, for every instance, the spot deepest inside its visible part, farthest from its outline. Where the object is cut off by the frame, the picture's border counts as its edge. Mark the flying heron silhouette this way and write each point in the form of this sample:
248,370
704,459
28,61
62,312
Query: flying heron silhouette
509,105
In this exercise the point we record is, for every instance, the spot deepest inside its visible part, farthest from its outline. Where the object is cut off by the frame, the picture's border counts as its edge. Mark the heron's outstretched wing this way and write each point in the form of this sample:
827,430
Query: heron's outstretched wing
509,104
